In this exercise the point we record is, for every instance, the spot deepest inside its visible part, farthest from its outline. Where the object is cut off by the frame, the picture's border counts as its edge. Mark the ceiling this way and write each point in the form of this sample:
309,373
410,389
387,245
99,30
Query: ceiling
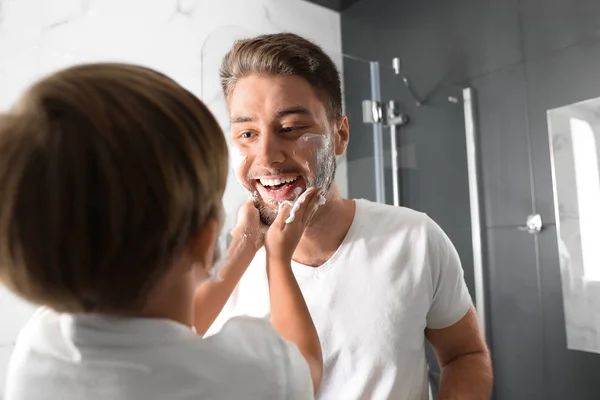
337,5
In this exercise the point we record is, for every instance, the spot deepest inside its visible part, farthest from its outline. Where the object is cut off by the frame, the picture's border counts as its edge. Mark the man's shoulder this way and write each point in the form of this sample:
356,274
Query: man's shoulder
385,216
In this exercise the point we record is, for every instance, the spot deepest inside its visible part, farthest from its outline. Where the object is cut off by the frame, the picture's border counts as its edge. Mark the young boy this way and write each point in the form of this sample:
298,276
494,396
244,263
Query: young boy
111,179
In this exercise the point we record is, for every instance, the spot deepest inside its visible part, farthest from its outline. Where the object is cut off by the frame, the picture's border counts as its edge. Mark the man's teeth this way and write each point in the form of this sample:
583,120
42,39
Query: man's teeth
276,182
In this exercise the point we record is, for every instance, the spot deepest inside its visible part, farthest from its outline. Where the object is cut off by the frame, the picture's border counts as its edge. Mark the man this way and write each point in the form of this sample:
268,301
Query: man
378,280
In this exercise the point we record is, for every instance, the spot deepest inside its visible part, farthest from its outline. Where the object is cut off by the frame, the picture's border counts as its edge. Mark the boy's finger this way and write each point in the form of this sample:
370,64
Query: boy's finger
300,206
283,214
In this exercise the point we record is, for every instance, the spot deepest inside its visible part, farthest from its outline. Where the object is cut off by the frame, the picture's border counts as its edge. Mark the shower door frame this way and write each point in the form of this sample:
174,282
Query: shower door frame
472,146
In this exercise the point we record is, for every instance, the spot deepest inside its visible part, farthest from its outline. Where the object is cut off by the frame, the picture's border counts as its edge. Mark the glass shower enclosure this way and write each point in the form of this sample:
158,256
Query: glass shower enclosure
417,150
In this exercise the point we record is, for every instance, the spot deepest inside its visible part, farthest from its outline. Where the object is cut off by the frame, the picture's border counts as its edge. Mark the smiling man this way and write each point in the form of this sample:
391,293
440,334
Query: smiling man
378,280
300,155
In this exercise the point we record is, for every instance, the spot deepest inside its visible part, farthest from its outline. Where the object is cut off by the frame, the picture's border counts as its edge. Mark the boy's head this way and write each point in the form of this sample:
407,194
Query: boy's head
109,174
285,106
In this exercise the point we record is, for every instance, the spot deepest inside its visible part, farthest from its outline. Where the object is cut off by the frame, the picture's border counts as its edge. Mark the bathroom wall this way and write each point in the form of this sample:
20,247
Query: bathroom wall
522,57
185,39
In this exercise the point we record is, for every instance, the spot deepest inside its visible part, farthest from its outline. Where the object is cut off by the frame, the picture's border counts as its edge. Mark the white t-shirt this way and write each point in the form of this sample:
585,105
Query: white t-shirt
92,357
395,274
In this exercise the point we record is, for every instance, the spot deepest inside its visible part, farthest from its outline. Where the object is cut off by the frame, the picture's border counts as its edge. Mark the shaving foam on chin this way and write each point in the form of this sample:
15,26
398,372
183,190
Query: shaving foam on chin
296,205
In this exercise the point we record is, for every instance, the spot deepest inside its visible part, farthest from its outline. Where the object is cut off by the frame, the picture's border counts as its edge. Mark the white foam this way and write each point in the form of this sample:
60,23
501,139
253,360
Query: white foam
238,158
322,200
324,158
296,206
292,216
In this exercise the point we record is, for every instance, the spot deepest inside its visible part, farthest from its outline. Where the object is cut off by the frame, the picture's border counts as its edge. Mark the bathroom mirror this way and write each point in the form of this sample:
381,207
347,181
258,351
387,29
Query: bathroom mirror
575,148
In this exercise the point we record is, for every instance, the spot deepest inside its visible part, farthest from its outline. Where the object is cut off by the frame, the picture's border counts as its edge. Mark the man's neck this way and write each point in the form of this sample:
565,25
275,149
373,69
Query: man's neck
327,230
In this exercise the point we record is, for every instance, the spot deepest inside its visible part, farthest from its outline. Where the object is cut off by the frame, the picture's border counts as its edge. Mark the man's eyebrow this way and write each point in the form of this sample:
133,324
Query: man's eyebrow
241,120
292,110
279,114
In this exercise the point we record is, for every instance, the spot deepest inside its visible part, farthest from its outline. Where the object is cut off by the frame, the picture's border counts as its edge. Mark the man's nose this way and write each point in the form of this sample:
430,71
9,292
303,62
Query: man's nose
270,152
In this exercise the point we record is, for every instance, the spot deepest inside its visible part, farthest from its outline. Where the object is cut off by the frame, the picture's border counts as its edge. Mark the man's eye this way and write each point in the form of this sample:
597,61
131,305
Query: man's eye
246,135
291,129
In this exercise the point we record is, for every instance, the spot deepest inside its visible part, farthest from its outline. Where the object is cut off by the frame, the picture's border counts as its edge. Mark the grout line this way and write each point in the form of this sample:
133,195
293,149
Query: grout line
540,300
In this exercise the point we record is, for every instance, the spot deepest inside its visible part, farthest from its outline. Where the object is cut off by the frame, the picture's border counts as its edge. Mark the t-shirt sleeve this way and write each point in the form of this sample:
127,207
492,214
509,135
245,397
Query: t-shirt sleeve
450,300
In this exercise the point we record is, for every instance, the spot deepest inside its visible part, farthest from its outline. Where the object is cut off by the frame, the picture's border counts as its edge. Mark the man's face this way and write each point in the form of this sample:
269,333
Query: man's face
283,141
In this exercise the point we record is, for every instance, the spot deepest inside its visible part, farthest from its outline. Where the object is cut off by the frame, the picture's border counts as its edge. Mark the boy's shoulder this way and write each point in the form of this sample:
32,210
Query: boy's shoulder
255,356
247,351
256,342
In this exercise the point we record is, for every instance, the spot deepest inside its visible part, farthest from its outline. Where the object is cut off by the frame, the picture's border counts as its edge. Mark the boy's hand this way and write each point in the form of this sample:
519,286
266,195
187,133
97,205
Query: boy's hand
249,230
284,234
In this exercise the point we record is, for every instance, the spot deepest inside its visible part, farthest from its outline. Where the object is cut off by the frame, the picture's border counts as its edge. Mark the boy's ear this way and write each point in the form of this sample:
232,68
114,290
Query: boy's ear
205,243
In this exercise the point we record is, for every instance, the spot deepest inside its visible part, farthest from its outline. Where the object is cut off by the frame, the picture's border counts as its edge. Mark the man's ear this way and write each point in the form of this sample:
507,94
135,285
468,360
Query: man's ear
342,135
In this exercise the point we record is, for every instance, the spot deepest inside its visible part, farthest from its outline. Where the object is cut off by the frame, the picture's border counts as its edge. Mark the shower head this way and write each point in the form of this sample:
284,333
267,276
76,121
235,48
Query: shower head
396,65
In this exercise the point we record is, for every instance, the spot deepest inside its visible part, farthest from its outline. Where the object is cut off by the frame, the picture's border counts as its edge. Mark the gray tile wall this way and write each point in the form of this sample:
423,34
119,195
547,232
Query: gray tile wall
522,57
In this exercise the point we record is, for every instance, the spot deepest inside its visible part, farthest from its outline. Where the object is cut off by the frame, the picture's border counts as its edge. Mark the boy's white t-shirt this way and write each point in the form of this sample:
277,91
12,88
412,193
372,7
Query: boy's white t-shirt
395,274
92,357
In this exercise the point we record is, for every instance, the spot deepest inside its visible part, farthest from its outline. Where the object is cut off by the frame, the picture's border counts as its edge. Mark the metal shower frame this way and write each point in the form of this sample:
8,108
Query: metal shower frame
386,114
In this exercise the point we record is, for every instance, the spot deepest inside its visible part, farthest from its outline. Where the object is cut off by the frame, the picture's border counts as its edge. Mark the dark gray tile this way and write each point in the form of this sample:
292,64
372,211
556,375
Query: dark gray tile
361,181
569,374
336,5
514,316
357,87
439,41
550,25
567,77
502,129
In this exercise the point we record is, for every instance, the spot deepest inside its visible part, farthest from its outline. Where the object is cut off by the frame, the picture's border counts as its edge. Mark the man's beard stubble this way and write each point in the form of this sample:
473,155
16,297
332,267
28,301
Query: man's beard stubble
325,174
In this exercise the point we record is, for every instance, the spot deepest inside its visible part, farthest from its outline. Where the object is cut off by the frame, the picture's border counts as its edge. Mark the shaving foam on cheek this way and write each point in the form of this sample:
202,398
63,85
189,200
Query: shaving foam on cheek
304,139
238,158
321,149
